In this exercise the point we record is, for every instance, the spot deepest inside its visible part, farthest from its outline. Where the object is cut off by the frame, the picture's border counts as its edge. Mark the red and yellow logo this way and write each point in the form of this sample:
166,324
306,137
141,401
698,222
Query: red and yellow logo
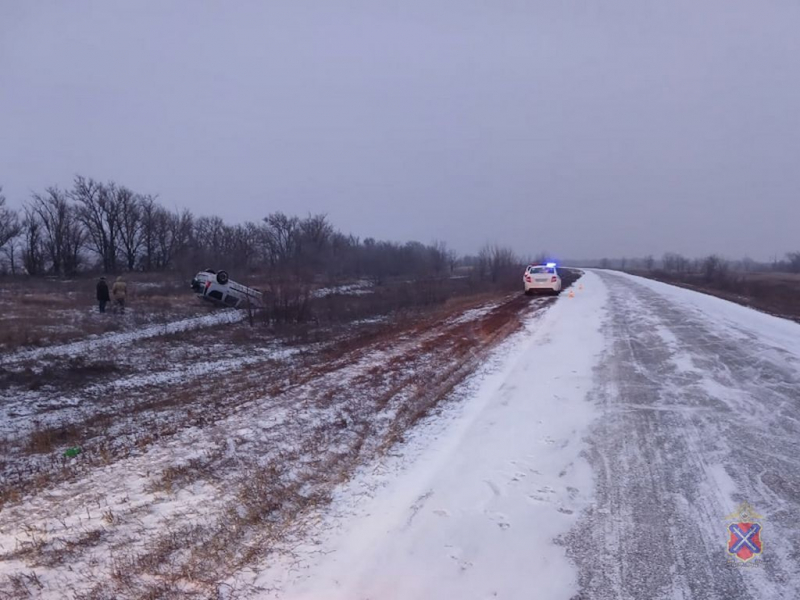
745,532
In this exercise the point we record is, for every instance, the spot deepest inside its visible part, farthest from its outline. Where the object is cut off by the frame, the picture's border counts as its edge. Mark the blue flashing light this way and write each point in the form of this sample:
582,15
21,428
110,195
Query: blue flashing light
551,265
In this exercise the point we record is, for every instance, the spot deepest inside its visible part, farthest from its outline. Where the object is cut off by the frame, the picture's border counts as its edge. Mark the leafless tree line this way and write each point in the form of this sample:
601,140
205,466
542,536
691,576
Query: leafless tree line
711,267
97,226
92,225
10,228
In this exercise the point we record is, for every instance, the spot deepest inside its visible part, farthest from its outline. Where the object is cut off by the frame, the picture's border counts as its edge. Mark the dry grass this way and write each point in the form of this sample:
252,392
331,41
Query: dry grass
773,293
25,585
46,440
271,490
65,374
175,477
40,312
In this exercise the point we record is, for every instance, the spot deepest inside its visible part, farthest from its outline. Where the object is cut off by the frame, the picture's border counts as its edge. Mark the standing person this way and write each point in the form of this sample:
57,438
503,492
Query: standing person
102,294
119,290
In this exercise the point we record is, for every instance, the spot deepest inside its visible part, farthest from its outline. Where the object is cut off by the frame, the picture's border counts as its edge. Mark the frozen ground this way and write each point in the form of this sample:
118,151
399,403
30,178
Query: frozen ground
358,288
597,459
589,451
205,449
472,508
100,342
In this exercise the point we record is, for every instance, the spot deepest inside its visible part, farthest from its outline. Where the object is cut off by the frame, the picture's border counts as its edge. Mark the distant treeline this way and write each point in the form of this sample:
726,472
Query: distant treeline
711,267
109,228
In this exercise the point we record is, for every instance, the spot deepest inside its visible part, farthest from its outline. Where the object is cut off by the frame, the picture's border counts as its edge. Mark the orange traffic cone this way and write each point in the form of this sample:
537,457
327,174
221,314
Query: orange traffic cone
580,286
571,294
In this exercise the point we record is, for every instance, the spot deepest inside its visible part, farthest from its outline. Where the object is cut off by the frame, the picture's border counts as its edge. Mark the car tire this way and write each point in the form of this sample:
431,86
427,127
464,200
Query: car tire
222,277
528,293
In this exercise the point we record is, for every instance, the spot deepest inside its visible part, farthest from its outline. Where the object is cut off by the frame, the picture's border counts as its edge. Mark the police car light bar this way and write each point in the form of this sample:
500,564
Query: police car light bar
551,265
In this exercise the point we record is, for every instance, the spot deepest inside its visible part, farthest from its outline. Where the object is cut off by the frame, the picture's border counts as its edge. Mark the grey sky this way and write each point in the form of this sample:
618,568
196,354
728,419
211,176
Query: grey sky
623,127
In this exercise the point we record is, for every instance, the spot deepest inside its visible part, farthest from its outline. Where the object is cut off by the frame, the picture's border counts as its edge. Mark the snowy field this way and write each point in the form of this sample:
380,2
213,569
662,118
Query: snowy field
590,447
205,446
474,503
596,456
124,338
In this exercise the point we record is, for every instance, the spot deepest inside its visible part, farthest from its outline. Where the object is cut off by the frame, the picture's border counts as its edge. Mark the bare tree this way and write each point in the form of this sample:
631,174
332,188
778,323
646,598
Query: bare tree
314,242
173,236
483,262
714,268
675,263
61,232
440,258
246,244
130,225
10,228
9,222
98,210
794,261
33,245
11,251
162,237
452,260
280,238
316,231
149,216
74,240
214,241
182,224
165,235
495,261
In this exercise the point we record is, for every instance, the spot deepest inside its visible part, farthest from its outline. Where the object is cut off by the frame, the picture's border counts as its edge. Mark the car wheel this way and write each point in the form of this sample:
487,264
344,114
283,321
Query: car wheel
528,292
222,277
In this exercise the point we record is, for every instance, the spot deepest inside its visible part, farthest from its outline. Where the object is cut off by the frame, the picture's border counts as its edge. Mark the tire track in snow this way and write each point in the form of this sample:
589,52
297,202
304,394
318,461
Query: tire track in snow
692,419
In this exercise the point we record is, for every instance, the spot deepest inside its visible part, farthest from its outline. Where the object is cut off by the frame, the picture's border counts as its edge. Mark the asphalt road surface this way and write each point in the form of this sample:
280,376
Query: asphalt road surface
699,406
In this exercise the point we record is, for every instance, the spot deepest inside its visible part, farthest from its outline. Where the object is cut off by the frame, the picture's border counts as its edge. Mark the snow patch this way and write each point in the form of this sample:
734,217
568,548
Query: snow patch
472,504
359,288
91,343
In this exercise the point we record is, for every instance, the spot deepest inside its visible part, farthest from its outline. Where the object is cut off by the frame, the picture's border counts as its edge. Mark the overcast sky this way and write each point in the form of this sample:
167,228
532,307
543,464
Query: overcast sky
623,127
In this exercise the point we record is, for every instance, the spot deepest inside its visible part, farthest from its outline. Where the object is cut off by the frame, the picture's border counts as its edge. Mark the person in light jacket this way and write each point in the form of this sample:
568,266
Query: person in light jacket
119,290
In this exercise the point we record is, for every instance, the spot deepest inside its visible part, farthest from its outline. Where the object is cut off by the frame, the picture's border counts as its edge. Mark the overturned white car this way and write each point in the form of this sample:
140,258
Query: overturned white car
216,287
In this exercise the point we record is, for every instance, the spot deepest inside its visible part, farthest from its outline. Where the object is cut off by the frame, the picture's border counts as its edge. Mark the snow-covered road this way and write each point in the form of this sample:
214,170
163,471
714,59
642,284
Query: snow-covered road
699,404
596,457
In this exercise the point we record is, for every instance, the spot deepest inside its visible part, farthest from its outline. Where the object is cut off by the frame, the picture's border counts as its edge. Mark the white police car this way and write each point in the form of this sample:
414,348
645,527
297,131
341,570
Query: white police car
542,278
216,287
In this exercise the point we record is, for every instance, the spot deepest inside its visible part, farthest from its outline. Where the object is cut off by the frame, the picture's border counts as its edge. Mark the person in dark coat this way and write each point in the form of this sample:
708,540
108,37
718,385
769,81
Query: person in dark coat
103,297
